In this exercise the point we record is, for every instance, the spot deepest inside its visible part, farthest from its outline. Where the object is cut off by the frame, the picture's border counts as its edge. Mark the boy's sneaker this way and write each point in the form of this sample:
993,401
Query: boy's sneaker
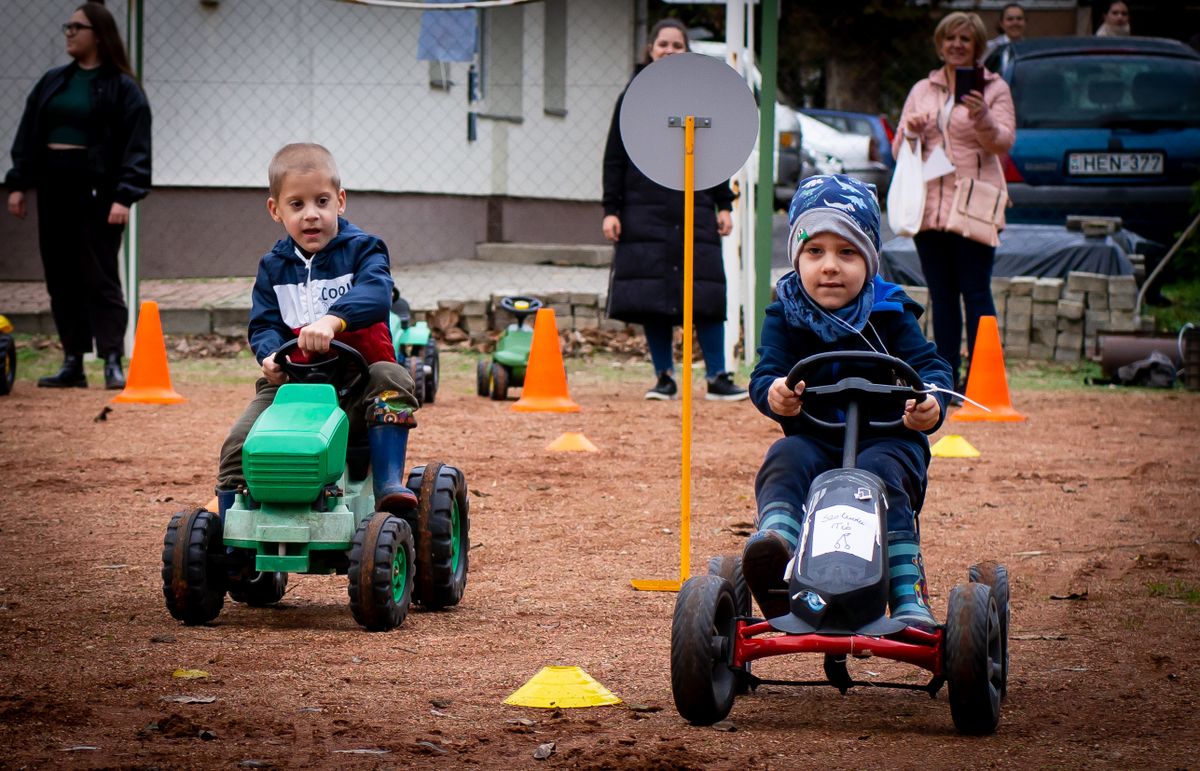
764,561
722,389
665,390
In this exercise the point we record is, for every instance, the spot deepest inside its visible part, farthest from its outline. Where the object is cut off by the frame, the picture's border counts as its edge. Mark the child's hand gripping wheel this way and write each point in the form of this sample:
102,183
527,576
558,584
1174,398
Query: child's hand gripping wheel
344,368
521,306
873,396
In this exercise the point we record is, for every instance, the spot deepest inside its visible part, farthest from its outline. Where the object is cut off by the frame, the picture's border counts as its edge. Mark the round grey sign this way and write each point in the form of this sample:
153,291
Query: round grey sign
659,99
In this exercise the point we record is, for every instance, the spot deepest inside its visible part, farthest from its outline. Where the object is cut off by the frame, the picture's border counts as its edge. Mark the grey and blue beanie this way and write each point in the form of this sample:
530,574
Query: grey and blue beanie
835,203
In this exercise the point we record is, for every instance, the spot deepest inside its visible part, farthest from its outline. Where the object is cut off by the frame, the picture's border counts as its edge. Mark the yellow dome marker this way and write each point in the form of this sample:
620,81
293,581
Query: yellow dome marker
572,442
953,446
561,687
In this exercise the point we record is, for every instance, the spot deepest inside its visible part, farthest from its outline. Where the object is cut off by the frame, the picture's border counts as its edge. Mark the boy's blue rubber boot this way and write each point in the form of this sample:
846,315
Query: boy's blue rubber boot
225,499
764,562
908,596
389,445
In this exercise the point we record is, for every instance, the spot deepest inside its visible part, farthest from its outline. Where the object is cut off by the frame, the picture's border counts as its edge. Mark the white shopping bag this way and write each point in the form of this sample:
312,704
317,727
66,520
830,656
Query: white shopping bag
906,196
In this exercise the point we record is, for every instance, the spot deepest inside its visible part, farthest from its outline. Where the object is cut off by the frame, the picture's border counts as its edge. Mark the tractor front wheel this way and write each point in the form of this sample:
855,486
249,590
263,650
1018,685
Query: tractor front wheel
380,572
193,572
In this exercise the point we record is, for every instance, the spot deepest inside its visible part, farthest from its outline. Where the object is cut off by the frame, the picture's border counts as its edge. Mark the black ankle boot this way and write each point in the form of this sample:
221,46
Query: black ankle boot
70,376
114,378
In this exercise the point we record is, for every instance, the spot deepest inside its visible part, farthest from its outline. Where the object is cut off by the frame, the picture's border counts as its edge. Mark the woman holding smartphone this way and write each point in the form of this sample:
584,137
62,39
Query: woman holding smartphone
963,115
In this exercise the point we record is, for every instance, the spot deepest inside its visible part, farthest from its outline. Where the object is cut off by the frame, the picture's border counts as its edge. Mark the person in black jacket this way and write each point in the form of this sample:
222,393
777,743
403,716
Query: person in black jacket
645,221
84,145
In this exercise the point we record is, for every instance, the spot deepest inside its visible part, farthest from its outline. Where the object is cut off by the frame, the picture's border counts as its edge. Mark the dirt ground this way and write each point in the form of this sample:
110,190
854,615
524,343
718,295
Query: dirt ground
1091,504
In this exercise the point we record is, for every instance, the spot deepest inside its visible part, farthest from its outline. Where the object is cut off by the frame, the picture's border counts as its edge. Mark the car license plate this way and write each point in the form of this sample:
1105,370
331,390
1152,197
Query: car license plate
1114,164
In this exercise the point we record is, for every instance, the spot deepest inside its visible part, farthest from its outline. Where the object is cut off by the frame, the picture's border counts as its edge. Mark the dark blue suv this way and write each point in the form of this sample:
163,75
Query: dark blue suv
1105,126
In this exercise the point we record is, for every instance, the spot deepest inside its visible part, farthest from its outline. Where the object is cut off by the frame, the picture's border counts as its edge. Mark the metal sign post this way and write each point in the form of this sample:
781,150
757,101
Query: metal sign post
687,91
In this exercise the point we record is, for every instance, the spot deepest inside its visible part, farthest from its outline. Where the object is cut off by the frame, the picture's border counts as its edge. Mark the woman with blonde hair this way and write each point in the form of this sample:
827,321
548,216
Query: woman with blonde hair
972,131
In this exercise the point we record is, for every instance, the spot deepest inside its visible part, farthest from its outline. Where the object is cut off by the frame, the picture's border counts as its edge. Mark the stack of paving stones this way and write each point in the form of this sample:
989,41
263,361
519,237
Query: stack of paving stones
1049,319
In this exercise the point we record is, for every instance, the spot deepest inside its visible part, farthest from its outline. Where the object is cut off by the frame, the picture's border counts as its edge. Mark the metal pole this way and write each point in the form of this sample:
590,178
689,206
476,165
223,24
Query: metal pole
765,203
130,242
685,382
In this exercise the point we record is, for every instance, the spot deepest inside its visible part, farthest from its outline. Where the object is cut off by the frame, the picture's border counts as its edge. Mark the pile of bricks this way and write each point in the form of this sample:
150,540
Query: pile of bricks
1052,319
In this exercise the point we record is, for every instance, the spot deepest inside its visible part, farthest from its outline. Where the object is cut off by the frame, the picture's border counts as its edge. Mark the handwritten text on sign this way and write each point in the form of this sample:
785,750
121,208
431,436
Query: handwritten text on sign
845,529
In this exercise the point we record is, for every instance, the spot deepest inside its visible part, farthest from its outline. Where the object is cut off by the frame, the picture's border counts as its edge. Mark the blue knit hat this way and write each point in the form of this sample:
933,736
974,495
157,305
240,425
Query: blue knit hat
835,203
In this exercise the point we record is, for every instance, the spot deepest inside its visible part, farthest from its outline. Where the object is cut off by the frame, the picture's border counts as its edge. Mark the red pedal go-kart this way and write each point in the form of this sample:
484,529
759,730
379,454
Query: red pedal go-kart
838,582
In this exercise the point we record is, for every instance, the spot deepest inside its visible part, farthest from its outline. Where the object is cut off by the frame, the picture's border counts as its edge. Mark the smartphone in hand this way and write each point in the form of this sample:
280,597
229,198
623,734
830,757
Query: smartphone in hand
966,80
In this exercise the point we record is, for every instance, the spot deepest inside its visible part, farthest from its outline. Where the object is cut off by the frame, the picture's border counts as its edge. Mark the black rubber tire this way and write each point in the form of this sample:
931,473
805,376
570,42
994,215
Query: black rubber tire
441,527
729,567
995,575
971,659
193,572
382,547
483,377
837,672
499,382
417,371
260,589
702,682
433,363
8,364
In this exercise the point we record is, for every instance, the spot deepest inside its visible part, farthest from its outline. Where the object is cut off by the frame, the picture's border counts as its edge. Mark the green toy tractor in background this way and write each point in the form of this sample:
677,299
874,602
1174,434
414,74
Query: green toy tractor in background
308,507
507,367
416,350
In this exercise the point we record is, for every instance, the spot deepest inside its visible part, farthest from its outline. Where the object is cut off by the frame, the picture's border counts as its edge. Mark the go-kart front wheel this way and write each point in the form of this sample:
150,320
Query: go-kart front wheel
193,572
972,659
995,575
381,572
702,681
442,534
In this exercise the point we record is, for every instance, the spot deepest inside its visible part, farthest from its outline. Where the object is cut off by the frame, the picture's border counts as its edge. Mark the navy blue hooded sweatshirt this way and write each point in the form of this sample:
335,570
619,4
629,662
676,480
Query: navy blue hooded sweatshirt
894,317
350,278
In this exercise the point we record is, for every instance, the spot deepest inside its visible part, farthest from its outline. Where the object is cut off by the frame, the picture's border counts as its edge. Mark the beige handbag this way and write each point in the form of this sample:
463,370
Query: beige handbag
977,210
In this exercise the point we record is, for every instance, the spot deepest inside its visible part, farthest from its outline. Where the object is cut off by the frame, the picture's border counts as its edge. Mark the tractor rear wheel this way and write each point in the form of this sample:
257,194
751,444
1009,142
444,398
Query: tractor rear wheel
432,364
380,572
483,377
441,528
499,381
193,572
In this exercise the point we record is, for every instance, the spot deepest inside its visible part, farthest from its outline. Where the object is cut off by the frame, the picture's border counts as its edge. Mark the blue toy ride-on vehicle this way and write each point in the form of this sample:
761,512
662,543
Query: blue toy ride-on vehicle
308,506
507,368
416,350
837,584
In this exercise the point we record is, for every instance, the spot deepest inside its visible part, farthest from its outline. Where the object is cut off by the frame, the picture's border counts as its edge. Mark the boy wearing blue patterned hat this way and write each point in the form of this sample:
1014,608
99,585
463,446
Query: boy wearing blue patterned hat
833,301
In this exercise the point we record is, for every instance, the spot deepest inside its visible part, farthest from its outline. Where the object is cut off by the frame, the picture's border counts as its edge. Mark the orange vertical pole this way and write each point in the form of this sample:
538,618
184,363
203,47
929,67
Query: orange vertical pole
689,219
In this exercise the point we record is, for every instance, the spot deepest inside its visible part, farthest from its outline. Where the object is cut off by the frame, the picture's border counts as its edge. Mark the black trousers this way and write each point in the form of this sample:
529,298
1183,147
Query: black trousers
79,257
954,268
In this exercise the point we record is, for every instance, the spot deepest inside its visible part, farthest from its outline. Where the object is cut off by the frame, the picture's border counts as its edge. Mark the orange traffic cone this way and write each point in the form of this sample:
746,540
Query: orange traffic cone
149,380
545,387
988,381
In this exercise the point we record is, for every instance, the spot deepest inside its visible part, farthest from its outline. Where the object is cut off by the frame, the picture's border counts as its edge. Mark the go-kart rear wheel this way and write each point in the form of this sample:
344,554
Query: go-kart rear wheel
702,681
483,377
258,589
193,572
499,381
441,528
730,568
8,364
433,366
380,572
995,575
972,659
417,371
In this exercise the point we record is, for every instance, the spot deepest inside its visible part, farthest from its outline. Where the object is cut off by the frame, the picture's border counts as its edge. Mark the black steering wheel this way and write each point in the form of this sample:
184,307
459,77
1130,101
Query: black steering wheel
872,395
344,368
520,306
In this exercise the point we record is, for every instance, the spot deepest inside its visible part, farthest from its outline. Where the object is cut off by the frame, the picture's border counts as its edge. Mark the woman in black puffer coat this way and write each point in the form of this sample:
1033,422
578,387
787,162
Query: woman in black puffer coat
645,221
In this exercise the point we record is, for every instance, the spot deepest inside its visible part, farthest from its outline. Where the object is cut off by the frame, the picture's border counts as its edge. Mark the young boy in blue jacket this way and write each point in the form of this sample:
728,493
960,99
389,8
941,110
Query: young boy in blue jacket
326,280
835,300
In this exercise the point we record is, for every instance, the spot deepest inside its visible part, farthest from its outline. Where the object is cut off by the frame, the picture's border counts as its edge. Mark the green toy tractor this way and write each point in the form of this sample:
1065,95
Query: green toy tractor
308,507
507,367
416,350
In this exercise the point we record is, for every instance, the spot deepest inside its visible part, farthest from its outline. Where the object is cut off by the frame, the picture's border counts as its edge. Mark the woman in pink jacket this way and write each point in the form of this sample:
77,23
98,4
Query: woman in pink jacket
973,133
